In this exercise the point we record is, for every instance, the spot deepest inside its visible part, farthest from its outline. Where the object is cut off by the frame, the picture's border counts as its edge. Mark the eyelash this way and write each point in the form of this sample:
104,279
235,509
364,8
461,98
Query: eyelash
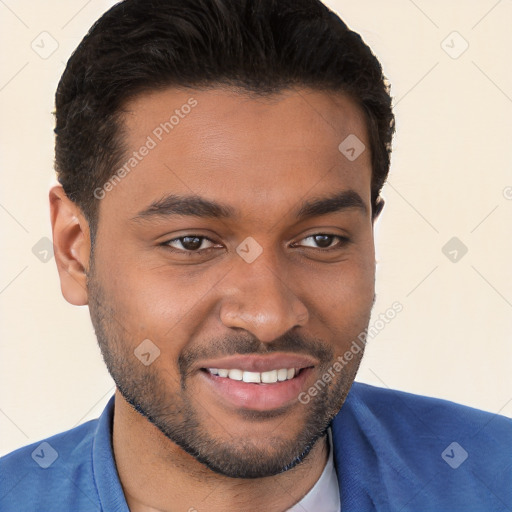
342,241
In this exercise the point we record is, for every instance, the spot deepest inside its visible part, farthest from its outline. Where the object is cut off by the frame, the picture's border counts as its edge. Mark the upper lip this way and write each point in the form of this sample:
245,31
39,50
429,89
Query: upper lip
259,363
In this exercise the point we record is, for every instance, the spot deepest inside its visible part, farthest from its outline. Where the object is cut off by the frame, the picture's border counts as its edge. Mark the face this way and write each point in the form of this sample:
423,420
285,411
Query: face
238,245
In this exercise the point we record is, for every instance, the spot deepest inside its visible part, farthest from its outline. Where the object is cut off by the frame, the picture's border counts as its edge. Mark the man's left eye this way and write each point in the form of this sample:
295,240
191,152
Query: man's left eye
324,241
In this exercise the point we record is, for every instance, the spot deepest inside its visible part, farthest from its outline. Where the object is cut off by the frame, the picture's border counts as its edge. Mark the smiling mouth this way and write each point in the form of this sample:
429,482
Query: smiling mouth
241,390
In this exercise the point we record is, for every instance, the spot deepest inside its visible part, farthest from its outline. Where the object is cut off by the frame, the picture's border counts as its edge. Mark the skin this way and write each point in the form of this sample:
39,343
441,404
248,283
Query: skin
263,157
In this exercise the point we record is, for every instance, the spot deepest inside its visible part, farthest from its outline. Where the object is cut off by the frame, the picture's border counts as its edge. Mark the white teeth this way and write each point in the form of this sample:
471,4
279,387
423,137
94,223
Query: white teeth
269,377
282,374
236,374
252,377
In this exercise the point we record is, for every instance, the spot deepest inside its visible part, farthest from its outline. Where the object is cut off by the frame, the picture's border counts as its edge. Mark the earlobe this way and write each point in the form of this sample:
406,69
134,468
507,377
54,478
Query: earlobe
71,242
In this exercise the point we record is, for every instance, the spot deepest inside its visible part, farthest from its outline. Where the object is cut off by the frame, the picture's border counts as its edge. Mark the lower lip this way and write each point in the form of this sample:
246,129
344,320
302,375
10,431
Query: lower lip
257,397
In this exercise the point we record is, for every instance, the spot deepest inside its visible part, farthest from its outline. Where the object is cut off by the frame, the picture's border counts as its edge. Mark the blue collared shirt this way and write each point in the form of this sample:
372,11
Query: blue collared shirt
392,451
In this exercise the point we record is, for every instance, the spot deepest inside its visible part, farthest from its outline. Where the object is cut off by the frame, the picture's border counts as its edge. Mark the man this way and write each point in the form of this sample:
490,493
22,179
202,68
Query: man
220,164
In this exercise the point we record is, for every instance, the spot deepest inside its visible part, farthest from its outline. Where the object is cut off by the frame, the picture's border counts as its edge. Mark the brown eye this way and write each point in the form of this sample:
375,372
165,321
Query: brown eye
324,241
189,243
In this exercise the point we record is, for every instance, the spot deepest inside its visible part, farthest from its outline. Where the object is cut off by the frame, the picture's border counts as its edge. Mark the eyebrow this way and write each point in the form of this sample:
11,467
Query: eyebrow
197,206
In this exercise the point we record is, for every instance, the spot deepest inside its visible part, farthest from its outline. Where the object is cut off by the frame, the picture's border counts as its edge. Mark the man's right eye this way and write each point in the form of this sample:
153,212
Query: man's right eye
189,244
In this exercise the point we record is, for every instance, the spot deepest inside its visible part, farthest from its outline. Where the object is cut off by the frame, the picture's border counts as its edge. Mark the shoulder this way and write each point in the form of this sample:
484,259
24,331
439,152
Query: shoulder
409,422
60,465
394,407
425,453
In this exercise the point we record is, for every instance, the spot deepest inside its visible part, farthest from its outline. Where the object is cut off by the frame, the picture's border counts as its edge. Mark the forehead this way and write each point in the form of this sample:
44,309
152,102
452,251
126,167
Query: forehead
258,154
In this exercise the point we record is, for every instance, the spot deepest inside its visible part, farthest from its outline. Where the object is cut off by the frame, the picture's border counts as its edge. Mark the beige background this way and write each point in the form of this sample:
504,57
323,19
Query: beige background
451,176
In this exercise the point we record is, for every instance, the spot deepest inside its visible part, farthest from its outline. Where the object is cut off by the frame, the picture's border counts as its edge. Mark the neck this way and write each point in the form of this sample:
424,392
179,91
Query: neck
157,475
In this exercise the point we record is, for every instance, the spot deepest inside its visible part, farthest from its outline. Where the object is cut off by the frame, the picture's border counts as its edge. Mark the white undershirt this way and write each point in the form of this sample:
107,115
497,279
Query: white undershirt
325,494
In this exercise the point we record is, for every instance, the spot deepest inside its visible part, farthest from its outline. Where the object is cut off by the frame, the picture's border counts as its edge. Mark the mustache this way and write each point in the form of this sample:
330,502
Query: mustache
243,344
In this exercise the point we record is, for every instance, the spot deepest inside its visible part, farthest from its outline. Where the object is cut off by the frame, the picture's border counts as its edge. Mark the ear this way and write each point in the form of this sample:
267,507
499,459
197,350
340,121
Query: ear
379,205
71,245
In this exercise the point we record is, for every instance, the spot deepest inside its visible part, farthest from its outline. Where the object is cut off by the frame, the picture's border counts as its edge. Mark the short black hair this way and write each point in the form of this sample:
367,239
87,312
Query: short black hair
260,47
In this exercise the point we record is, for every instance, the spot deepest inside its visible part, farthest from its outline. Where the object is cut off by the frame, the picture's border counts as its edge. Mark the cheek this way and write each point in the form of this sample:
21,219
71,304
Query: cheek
140,301
359,287
159,302
342,299
348,286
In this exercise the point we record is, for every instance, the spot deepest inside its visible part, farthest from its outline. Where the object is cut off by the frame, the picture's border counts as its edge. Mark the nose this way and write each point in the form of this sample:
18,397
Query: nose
256,298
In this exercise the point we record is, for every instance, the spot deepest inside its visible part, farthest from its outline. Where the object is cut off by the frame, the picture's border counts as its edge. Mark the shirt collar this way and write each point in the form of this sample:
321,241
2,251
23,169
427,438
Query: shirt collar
325,494
104,468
